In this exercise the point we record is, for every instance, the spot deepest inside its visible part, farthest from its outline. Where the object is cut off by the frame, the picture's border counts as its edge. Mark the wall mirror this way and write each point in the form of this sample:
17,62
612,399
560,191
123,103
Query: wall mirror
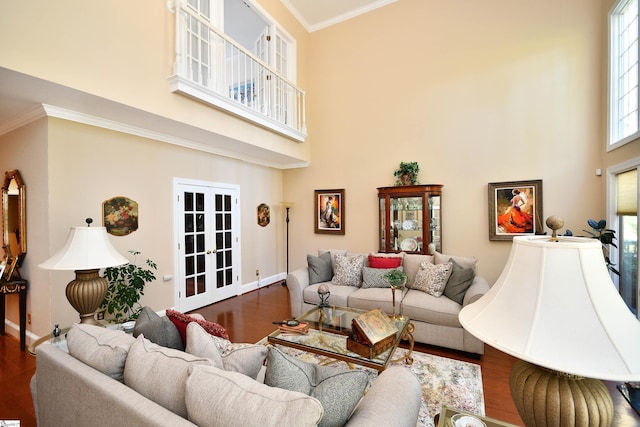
14,200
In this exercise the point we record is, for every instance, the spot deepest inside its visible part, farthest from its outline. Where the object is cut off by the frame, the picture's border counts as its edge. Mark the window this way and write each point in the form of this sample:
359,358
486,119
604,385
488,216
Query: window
623,73
625,210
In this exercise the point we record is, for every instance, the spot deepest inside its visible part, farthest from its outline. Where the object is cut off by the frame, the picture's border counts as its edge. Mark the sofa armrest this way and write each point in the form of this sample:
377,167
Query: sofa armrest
393,400
296,282
478,288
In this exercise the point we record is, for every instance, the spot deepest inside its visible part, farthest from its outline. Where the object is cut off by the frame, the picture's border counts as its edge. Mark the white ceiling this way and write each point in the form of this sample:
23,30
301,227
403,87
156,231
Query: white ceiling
318,14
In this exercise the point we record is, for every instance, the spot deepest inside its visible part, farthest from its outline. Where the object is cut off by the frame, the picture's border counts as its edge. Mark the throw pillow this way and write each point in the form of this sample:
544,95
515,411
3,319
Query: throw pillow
101,348
374,277
384,262
217,398
338,390
246,359
459,281
348,271
160,373
432,278
319,268
157,329
181,320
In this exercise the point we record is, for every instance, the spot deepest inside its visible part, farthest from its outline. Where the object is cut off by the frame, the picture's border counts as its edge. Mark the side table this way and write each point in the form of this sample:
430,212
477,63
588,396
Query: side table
59,341
15,287
443,419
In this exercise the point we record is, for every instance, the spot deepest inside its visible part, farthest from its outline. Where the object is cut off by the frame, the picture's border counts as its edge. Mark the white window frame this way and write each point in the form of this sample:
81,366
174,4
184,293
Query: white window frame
614,136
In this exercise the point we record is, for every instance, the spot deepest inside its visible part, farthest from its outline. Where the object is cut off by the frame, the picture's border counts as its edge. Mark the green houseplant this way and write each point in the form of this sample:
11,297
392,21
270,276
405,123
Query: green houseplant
126,287
407,173
396,277
606,236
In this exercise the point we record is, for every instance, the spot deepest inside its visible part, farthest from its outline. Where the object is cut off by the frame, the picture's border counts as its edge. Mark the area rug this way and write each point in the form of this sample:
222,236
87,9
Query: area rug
444,381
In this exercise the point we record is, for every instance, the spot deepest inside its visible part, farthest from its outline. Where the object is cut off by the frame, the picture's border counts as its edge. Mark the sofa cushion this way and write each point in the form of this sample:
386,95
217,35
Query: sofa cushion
220,398
432,278
339,294
463,261
459,281
372,298
319,268
374,277
245,359
411,264
157,329
339,390
101,348
422,307
348,270
160,373
181,320
378,261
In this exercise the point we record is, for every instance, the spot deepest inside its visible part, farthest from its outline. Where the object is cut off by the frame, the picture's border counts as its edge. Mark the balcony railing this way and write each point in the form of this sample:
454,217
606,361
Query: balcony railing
213,68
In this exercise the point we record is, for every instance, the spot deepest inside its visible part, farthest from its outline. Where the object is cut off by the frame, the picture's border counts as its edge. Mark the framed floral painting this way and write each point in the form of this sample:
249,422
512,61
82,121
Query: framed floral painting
329,211
120,215
515,209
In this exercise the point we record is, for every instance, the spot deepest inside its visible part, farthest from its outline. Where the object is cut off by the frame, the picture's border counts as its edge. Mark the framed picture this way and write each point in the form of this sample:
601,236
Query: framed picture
515,209
329,213
10,268
120,215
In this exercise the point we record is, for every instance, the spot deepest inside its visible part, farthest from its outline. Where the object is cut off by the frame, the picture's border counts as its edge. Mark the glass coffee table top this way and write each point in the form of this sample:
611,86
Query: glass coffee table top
327,336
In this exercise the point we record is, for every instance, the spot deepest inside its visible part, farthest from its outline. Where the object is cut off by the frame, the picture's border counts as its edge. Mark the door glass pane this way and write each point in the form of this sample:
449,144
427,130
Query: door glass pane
188,244
188,202
188,223
189,266
199,202
629,261
202,284
201,264
190,288
201,246
200,222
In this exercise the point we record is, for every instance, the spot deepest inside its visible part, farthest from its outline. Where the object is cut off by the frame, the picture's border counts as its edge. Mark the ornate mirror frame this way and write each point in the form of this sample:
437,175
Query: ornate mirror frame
17,219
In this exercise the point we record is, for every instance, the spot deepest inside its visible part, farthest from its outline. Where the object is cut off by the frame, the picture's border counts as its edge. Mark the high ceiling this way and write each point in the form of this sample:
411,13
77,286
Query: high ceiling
317,14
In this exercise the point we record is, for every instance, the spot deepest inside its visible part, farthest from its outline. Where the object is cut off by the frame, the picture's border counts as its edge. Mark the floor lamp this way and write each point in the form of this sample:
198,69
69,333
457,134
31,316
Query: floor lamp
555,308
86,251
287,206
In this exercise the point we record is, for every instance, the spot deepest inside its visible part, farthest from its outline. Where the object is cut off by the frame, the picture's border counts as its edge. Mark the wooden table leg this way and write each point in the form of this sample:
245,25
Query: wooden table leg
2,312
23,317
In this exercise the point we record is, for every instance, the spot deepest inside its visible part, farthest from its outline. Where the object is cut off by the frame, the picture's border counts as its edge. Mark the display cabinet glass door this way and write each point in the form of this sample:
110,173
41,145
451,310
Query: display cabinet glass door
434,222
406,226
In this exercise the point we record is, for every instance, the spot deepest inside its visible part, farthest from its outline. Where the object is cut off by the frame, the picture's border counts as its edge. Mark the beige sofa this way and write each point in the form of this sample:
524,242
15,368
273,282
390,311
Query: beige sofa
122,389
435,318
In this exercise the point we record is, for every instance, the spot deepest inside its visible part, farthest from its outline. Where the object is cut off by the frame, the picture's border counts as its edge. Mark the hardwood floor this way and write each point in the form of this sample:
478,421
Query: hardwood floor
247,319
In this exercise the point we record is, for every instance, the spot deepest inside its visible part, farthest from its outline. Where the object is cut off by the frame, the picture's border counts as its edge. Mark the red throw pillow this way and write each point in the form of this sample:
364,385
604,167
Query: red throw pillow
384,262
181,321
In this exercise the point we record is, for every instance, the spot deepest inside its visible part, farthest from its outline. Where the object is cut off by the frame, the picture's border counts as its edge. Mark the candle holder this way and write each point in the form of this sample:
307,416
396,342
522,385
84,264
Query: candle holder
324,294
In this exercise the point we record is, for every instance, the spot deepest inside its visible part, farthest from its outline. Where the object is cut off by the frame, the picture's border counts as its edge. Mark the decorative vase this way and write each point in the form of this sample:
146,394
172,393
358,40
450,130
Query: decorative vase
399,284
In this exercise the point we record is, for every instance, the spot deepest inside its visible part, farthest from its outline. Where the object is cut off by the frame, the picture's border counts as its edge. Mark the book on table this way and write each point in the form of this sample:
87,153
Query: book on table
372,333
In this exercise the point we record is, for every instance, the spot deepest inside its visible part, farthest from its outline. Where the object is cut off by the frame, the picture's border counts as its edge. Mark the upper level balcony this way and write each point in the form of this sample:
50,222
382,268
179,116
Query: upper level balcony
213,68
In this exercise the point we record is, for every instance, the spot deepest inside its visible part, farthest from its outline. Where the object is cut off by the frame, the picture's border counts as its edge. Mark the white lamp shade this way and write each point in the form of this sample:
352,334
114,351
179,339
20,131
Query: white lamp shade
555,305
86,248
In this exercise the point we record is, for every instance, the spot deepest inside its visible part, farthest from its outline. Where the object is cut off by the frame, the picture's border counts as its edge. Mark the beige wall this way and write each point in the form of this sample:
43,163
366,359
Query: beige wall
476,92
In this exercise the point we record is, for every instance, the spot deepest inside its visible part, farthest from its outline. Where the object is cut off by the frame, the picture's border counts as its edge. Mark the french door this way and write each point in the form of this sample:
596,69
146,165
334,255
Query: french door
207,243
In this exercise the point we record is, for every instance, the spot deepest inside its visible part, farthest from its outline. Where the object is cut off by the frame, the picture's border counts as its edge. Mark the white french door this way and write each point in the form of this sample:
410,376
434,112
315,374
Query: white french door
207,243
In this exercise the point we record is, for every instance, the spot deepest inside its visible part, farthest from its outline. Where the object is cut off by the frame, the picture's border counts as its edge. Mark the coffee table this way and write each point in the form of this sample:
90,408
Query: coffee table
328,331
443,419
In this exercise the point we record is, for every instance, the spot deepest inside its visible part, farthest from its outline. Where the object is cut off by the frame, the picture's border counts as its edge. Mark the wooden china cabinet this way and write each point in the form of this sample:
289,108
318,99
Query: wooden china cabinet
410,218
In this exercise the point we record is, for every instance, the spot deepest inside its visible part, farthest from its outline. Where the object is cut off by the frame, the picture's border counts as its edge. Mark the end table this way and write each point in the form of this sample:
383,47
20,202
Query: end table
15,287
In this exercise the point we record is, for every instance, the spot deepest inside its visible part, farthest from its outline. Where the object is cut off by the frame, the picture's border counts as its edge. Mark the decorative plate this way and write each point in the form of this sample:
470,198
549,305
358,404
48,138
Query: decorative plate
409,244
409,224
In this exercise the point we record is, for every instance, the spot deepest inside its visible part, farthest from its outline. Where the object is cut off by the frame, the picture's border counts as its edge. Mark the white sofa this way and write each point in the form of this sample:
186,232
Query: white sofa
435,318
118,380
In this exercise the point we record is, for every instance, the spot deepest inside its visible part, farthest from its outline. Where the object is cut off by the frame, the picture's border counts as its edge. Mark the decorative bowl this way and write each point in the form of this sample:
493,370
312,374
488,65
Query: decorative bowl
463,420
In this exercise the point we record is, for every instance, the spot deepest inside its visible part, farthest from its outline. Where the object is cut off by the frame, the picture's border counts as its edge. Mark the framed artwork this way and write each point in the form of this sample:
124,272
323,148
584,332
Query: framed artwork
515,209
120,215
329,211
264,215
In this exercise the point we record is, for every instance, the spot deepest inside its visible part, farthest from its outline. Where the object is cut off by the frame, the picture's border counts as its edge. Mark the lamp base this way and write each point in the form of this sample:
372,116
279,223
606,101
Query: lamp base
86,293
545,397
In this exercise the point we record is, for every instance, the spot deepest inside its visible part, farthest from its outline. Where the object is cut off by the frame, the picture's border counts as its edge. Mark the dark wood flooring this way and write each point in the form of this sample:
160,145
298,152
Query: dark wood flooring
248,318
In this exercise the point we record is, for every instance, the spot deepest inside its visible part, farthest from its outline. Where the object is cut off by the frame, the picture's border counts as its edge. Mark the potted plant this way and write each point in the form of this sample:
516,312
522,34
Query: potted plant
606,237
407,173
126,287
396,278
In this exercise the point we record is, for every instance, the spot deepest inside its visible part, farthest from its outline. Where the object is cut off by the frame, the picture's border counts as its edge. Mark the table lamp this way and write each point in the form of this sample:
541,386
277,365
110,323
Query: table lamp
86,251
556,309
